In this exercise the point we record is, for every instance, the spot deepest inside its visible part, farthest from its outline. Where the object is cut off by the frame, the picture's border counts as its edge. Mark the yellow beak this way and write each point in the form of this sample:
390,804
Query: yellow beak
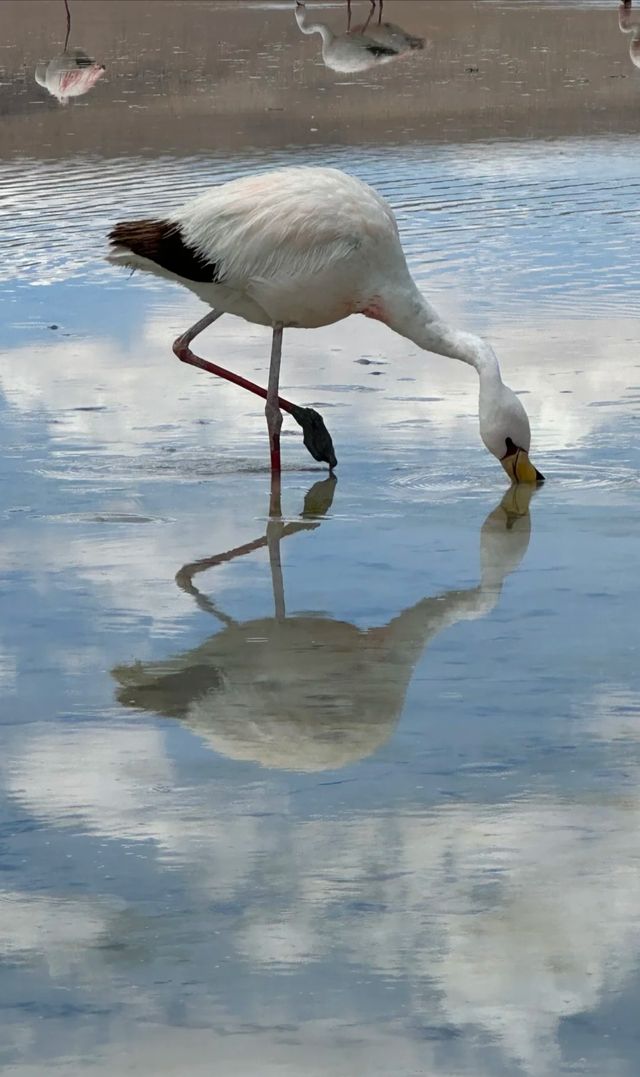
519,467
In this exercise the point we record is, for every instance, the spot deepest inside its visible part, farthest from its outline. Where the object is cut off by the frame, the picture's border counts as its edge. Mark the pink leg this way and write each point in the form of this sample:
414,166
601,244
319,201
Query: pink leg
182,350
66,40
316,436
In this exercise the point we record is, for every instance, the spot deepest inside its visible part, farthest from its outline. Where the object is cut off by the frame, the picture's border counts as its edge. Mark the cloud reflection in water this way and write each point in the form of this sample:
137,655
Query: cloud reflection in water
308,692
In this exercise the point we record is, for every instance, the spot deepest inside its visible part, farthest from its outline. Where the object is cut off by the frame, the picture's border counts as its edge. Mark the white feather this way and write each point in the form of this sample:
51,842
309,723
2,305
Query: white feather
308,246
285,223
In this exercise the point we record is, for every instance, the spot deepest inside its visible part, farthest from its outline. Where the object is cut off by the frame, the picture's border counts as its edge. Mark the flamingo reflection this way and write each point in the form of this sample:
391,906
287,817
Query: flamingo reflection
361,47
310,692
71,74
630,24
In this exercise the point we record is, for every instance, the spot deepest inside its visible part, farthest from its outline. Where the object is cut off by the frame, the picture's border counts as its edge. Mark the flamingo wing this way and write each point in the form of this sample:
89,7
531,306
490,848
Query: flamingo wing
283,224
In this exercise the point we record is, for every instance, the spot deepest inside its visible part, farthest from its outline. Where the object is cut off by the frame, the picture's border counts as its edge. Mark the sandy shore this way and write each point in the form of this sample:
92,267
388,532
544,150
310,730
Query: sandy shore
187,76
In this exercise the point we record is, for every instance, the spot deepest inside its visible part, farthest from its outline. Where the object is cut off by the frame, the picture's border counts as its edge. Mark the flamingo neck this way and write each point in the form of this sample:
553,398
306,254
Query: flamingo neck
409,314
314,28
628,21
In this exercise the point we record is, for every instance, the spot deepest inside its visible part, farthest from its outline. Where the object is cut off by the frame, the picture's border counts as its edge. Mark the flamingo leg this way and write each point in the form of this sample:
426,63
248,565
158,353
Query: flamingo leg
66,40
275,532
316,437
317,502
272,410
191,333
182,350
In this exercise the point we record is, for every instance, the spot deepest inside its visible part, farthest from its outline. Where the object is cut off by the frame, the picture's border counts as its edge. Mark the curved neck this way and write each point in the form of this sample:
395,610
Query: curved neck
628,21
407,312
313,28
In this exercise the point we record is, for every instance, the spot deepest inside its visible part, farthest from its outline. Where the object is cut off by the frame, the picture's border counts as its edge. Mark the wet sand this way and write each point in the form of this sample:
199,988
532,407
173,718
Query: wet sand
193,76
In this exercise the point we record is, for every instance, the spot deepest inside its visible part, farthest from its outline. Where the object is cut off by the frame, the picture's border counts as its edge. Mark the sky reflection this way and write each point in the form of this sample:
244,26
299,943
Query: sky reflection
382,816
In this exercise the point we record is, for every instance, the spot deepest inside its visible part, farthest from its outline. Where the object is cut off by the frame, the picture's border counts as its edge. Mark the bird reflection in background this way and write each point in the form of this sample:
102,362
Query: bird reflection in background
630,24
361,47
71,74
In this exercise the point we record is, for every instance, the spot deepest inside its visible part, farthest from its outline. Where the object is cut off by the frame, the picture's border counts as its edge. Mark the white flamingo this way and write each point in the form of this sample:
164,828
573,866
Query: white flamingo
307,247
363,47
71,74
630,25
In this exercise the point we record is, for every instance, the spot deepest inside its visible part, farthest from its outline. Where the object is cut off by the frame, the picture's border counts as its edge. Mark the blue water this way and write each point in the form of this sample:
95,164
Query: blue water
361,798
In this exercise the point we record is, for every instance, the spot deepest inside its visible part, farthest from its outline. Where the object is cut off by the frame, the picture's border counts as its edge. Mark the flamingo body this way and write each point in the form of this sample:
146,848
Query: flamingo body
361,48
71,74
297,246
307,247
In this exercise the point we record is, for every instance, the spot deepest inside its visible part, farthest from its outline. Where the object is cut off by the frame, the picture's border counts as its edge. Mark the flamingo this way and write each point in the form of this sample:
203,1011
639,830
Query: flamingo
72,73
630,25
361,48
306,247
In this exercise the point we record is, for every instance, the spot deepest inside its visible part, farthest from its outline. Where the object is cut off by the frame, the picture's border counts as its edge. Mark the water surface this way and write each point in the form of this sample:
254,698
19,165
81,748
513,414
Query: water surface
351,788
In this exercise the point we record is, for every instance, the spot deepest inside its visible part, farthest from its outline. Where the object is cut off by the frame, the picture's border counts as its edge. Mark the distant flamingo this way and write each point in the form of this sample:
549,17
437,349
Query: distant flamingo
630,25
71,74
362,47
306,247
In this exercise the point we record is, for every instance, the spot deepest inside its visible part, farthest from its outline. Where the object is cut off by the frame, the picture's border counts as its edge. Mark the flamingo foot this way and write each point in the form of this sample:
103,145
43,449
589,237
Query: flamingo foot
315,436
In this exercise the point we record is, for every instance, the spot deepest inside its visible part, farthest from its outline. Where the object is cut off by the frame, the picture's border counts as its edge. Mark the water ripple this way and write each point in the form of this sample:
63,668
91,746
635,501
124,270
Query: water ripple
529,216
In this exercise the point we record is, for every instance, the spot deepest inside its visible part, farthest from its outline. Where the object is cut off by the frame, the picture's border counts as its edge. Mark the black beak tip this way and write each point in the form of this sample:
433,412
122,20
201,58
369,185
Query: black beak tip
539,476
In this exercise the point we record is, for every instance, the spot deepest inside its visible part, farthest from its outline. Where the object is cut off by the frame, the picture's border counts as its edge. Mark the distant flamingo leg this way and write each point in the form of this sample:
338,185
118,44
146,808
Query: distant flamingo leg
66,40
373,8
272,411
317,439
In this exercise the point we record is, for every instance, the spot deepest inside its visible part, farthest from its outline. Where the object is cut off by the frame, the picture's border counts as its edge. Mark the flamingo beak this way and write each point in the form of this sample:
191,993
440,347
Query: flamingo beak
519,467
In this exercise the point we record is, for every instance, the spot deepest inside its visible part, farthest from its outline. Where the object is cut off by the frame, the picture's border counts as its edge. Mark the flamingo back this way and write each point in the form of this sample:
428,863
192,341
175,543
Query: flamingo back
290,223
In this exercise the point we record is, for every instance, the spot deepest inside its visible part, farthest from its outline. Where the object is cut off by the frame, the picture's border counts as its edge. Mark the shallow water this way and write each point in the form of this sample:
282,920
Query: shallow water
353,789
